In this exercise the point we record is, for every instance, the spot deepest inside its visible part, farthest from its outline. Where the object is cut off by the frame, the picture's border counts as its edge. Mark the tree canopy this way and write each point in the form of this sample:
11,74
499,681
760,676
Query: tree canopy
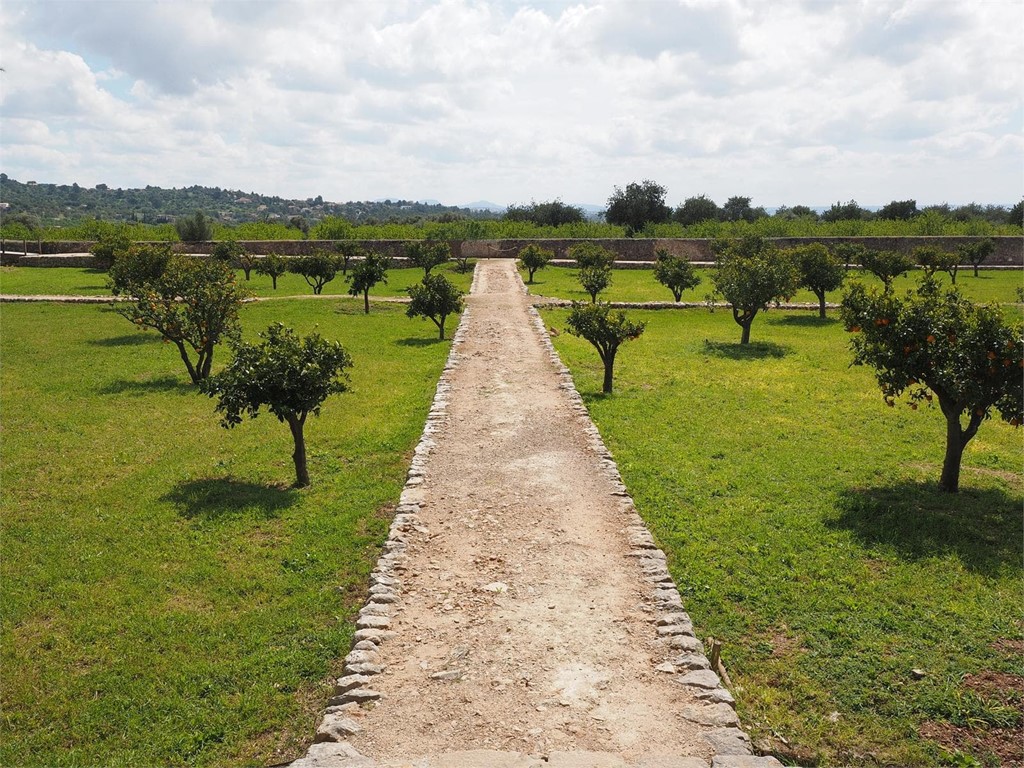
193,303
367,272
290,375
435,298
606,331
937,342
675,273
637,205
751,274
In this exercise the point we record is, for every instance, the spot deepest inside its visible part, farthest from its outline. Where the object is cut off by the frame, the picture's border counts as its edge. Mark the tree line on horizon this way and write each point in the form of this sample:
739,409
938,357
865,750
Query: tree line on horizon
51,212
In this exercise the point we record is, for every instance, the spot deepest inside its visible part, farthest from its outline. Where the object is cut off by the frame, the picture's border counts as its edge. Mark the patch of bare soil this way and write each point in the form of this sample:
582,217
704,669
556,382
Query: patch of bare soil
1006,744
523,624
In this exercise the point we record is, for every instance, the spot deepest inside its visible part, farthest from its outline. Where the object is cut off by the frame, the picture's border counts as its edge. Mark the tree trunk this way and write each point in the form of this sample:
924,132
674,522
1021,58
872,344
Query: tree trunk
745,337
440,326
609,364
975,270
678,295
192,372
366,301
950,480
274,280
821,305
295,424
956,439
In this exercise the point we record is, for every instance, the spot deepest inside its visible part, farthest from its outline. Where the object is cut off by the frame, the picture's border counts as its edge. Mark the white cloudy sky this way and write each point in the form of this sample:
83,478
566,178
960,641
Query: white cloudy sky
786,101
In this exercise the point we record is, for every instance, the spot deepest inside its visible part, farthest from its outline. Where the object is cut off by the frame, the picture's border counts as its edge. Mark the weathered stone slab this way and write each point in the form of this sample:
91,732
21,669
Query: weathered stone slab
700,678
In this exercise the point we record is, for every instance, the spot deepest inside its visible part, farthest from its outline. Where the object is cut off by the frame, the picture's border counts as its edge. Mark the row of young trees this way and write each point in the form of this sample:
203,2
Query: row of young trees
195,302
929,343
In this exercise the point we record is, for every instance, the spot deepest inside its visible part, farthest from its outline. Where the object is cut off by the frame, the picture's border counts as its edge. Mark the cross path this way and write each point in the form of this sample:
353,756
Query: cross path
521,615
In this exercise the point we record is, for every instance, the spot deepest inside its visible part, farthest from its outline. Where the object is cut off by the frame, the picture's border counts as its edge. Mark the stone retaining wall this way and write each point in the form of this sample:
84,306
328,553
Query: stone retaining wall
1009,250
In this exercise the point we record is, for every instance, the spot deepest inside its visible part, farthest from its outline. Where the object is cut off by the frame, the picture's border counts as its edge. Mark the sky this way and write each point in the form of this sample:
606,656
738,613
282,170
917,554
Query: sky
785,101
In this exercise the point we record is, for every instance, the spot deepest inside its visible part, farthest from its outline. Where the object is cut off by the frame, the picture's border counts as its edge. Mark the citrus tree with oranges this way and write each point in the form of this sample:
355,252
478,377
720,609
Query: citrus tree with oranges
933,344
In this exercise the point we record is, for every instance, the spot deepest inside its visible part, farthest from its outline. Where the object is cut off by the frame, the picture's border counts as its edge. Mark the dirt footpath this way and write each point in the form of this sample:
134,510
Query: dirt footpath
524,623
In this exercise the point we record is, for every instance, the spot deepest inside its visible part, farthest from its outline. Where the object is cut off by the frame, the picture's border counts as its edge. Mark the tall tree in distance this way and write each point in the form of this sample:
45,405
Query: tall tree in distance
637,205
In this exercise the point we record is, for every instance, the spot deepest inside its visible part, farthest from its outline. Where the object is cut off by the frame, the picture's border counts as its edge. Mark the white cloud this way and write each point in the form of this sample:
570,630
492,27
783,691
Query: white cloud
797,102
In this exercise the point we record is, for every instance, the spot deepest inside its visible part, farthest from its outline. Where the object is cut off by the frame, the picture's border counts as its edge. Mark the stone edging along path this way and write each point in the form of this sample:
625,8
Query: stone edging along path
696,725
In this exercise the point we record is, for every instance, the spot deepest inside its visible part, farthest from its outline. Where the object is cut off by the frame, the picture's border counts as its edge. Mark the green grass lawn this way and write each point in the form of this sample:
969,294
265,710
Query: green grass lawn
640,285
74,281
803,526
167,599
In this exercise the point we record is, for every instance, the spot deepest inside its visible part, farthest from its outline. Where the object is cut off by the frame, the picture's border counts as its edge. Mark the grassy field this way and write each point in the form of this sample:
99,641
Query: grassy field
803,526
640,285
74,281
167,599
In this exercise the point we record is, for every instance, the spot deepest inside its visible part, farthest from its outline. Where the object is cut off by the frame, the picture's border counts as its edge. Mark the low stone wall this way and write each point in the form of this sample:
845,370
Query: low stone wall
629,253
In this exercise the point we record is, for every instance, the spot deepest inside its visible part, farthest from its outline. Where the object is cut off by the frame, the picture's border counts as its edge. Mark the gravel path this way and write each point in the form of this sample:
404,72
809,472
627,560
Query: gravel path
527,616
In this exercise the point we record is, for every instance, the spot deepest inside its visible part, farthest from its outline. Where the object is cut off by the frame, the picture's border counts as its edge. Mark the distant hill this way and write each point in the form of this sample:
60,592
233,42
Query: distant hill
60,203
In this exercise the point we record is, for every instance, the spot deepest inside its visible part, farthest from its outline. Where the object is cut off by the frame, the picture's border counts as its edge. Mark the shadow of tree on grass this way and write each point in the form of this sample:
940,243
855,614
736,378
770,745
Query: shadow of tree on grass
158,384
981,527
216,499
755,350
414,341
807,321
127,340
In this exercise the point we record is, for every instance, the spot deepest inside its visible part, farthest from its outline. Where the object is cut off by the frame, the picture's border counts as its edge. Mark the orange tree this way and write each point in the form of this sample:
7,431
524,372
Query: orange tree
605,330
370,270
434,298
933,343
534,257
675,273
193,303
291,376
820,270
751,274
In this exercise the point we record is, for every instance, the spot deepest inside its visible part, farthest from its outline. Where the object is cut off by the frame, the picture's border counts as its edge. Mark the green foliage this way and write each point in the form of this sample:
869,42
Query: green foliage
675,273
595,279
694,210
637,205
317,269
434,298
820,270
549,214
885,265
367,272
899,209
845,212
428,254
933,341
290,375
739,209
591,255
232,252
975,253
195,228
194,303
933,259
332,228
112,242
273,265
606,330
751,274
141,263
533,258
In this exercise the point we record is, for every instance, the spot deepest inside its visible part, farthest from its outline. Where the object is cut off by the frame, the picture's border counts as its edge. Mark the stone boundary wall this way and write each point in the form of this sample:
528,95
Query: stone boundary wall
630,253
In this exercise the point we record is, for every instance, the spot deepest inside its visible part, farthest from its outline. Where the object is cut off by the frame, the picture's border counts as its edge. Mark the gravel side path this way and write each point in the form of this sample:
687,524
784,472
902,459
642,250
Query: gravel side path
521,614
